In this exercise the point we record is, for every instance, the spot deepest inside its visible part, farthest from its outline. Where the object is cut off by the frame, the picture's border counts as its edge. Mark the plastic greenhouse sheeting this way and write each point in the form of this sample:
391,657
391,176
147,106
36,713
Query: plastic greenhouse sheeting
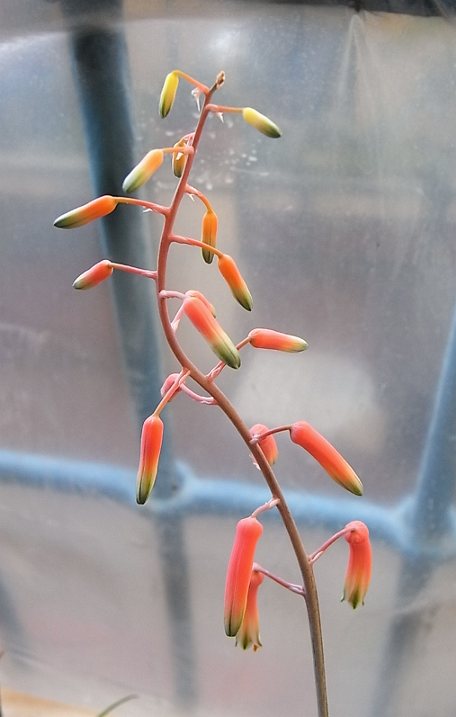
344,229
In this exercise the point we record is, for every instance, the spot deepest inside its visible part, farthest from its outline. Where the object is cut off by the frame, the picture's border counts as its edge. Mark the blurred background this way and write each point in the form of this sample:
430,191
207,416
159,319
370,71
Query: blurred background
344,230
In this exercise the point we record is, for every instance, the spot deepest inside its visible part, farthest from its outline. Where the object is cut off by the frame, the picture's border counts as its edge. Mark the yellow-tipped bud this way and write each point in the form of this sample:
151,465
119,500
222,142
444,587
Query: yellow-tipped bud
262,123
143,171
179,159
168,94
209,234
95,275
228,269
99,207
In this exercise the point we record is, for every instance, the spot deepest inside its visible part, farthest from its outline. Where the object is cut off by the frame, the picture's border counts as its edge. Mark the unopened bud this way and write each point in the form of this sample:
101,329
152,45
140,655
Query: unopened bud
95,209
228,269
143,171
95,275
168,93
262,123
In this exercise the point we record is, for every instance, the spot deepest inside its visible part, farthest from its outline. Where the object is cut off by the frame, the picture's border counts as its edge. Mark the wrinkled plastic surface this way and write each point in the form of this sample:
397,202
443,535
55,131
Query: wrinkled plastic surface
344,230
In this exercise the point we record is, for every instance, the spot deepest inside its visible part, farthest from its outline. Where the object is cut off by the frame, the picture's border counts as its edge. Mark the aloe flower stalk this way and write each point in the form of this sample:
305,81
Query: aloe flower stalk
228,269
304,435
239,572
358,575
168,94
151,442
143,171
262,123
97,208
275,340
209,234
267,444
248,634
95,275
210,329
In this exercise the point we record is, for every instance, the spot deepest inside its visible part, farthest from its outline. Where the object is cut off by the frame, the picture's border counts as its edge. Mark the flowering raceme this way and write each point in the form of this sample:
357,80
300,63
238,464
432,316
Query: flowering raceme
358,575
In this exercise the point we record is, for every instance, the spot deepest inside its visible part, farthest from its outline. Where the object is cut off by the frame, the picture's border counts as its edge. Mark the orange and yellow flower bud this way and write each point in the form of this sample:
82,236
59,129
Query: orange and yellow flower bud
249,632
179,159
304,435
359,569
151,441
232,275
275,340
262,123
168,94
209,234
95,209
143,171
239,572
268,444
95,275
204,322
198,295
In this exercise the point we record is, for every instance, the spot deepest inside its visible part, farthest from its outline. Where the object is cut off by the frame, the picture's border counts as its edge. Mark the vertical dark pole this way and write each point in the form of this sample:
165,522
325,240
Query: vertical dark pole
101,71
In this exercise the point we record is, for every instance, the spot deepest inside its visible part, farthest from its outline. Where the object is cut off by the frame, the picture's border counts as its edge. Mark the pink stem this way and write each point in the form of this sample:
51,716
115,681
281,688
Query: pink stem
313,557
298,589
171,391
269,505
194,242
142,203
254,440
134,270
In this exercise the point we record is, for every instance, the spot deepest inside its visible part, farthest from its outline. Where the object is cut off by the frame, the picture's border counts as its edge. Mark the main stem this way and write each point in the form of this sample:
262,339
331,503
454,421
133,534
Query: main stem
311,596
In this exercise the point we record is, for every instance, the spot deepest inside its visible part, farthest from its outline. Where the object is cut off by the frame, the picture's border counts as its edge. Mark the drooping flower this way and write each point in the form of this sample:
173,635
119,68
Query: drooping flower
304,435
97,208
359,569
143,171
249,631
262,123
168,93
268,444
228,269
198,295
210,329
151,442
209,234
275,340
95,275
239,572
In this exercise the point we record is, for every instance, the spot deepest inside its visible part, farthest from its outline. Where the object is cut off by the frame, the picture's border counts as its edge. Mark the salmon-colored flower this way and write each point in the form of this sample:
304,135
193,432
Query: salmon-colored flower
268,444
239,572
151,442
249,632
275,340
143,171
304,435
358,575
168,93
232,275
198,295
99,207
204,322
261,122
209,234
95,275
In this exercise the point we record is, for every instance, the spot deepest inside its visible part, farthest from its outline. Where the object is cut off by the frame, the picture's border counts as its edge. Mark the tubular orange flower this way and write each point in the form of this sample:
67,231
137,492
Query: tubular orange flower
95,275
204,322
209,234
358,575
168,94
249,632
198,295
99,207
143,171
151,441
262,123
232,275
304,435
239,572
275,340
268,444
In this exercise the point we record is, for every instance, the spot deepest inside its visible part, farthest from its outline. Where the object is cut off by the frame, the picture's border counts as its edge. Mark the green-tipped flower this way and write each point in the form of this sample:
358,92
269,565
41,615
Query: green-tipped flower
179,159
209,234
95,209
275,340
239,573
204,322
168,93
151,442
143,171
262,123
233,278
95,275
